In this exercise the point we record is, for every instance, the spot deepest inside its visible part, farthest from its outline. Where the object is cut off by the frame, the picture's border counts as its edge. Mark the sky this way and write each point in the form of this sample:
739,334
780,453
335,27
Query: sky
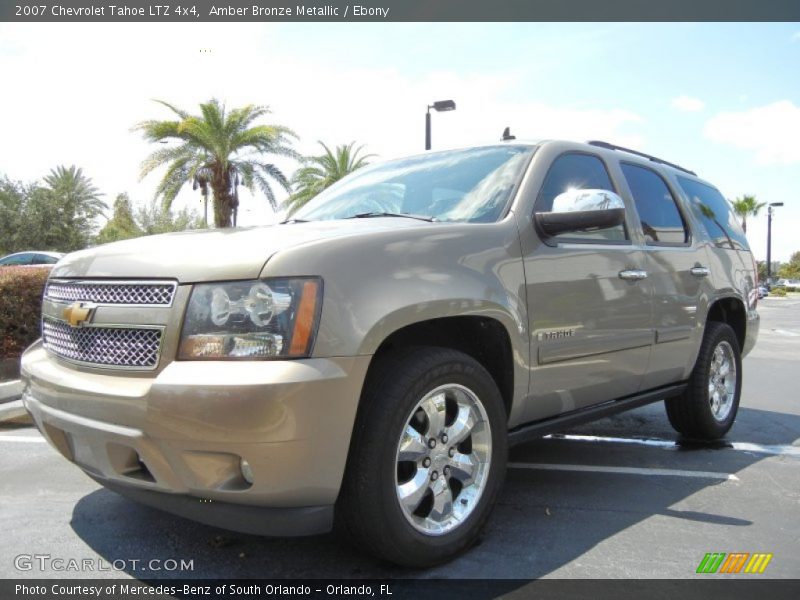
720,99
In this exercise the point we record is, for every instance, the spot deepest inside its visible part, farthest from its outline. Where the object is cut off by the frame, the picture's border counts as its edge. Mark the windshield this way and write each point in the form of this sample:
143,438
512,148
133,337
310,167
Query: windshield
462,185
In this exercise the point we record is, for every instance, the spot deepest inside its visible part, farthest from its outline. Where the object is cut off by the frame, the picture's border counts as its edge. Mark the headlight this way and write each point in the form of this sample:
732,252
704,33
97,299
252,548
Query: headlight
265,318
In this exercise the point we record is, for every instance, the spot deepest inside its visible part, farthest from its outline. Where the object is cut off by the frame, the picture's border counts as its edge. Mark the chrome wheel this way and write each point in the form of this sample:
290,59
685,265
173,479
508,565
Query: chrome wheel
443,459
722,381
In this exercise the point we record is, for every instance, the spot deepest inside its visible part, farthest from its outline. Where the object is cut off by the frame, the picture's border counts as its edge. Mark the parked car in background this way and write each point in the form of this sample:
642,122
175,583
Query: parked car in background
33,258
789,285
763,292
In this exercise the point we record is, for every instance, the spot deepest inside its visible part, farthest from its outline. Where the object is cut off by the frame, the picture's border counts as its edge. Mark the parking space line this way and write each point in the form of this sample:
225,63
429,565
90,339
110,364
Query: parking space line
656,443
775,450
21,438
624,470
786,332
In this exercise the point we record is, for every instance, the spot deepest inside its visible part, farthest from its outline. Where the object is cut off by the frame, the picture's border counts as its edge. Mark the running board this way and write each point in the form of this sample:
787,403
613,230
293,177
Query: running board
537,429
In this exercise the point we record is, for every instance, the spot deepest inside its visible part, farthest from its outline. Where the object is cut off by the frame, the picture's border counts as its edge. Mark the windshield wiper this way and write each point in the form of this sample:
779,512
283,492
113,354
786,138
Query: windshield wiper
371,215
288,221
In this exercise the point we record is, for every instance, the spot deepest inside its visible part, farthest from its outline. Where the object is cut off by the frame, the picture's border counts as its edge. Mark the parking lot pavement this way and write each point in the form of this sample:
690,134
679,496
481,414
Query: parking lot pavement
615,498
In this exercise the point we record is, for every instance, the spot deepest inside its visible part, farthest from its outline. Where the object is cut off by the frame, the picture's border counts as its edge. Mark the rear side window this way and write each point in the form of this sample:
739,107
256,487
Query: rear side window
716,215
578,172
45,259
661,220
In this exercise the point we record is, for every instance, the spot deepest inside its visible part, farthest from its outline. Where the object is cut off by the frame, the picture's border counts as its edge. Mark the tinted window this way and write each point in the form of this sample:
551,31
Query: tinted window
19,259
661,220
714,212
464,185
578,172
45,259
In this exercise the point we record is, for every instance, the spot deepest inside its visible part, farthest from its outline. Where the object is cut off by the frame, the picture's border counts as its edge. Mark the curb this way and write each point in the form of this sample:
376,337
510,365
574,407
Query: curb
11,408
14,412
10,390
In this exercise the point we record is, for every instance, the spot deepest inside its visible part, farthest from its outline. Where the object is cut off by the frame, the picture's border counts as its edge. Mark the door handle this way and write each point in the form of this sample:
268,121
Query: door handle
700,271
633,274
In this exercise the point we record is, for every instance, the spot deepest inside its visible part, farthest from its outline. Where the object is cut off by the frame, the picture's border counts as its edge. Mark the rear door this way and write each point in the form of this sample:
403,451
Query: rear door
590,325
677,270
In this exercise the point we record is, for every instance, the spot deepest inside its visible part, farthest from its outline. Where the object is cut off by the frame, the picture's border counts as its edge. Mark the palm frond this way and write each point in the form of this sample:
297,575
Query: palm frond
178,111
320,172
155,131
163,156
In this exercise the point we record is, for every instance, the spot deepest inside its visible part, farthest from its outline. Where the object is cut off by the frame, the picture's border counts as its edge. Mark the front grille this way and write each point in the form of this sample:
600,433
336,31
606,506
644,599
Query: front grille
128,347
102,292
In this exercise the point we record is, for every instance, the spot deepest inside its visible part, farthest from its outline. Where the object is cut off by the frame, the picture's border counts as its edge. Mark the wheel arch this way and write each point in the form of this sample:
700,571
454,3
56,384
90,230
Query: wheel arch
731,311
485,339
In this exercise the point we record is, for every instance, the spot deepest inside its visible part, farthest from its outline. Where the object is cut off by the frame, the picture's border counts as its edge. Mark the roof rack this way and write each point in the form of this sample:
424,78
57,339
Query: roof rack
655,159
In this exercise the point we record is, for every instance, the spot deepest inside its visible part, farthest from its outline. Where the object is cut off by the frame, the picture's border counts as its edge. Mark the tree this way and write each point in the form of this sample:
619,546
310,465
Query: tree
46,224
320,172
747,206
155,218
59,216
762,269
218,150
12,202
791,270
122,225
148,220
30,219
78,202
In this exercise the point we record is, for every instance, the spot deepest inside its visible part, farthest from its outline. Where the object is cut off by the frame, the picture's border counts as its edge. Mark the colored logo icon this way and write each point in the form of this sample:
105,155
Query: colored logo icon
734,562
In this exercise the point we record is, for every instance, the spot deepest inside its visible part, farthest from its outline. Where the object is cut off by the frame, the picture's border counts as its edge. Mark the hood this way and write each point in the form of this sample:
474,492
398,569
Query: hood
214,255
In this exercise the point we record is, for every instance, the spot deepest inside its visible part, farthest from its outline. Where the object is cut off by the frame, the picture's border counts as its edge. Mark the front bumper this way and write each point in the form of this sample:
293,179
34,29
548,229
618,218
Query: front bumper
176,440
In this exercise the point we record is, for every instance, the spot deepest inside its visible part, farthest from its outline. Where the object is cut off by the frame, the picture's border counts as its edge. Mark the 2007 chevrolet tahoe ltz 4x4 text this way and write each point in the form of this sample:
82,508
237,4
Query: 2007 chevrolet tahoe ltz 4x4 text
371,359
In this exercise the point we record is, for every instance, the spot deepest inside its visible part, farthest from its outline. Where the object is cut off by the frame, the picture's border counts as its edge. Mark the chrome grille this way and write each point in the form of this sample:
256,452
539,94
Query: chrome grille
128,347
112,292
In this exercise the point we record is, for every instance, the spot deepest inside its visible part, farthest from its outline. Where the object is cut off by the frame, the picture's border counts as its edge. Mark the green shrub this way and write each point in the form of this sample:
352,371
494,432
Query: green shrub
779,292
21,291
790,289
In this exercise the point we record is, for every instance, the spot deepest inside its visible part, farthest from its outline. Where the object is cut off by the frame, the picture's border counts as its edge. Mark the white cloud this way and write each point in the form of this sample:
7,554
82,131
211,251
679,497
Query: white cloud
688,103
771,132
796,37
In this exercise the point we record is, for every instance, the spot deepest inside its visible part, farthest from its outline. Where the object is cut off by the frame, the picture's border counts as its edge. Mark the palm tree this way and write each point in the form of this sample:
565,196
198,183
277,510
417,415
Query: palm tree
747,206
218,150
78,202
320,172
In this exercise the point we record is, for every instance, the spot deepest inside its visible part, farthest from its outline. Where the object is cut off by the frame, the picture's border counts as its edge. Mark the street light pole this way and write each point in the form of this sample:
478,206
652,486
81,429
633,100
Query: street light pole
438,106
769,237
428,129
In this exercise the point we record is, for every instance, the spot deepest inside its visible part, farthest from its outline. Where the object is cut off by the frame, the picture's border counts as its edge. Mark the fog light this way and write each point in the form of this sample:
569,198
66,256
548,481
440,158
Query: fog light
247,471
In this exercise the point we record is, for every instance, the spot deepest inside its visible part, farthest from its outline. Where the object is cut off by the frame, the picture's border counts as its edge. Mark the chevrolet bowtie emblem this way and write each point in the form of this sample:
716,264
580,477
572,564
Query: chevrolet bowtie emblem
78,313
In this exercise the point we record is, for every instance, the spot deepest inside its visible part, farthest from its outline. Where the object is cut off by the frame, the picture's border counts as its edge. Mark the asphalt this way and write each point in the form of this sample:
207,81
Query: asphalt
574,507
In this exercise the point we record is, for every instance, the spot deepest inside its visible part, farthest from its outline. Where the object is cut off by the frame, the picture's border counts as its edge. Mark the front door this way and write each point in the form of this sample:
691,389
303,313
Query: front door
589,305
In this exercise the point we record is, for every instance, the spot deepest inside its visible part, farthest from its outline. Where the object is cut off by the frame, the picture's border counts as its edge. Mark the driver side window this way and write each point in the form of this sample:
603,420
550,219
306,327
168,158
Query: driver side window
577,171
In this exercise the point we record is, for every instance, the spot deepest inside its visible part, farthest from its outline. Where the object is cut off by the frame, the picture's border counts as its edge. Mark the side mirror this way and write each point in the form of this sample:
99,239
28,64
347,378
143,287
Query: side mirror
581,210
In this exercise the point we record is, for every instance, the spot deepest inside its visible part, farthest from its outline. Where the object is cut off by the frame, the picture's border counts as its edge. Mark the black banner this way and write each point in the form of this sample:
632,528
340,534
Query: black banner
701,588
398,10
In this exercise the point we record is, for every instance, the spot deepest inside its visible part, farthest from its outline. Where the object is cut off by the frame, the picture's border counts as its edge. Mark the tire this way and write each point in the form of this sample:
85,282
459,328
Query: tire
390,456
708,407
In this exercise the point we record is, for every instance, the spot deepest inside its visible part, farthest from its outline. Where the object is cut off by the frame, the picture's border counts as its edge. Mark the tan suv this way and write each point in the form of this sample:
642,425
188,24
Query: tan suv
371,359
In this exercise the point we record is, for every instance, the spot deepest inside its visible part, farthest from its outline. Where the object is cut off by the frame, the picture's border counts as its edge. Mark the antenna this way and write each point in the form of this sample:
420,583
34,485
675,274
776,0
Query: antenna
507,134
